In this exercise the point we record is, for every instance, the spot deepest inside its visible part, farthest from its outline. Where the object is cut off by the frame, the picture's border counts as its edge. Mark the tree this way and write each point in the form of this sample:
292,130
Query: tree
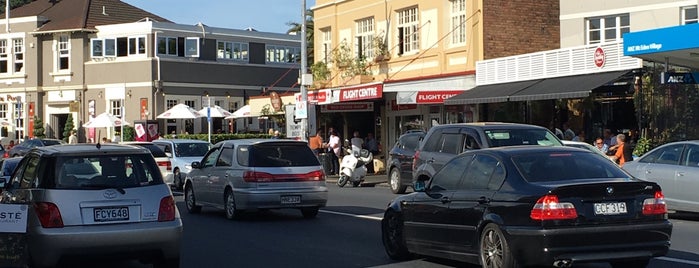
68,127
39,131
295,28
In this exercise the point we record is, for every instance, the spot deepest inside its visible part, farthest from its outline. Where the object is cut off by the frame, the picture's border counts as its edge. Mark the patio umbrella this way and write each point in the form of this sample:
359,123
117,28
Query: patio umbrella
105,120
216,111
180,111
5,123
241,113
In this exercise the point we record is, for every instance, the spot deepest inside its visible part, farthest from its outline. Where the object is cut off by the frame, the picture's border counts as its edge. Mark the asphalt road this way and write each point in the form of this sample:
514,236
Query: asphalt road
345,234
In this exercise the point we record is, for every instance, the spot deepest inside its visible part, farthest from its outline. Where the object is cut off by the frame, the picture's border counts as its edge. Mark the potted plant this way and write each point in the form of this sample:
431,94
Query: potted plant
321,74
342,55
380,45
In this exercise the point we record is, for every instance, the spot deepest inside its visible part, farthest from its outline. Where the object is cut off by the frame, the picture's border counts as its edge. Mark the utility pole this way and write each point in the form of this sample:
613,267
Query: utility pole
302,74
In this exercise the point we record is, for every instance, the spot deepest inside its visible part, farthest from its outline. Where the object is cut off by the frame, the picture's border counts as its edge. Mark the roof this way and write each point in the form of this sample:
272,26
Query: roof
82,14
179,141
90,149
492,125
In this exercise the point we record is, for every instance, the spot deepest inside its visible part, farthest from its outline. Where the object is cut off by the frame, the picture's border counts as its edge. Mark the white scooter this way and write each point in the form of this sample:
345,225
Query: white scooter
353,167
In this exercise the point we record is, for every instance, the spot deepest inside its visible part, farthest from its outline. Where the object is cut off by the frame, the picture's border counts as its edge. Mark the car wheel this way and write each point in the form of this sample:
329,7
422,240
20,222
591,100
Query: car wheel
190,200
310,213
167,263
630,264
392,236
397,186
342,181
229,205
178,179
495,252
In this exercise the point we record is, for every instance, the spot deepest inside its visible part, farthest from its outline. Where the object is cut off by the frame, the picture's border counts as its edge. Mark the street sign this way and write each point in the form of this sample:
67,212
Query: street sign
679,78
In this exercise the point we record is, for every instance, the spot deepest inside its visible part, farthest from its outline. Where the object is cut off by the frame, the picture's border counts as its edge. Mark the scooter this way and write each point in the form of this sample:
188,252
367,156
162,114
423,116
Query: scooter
353,167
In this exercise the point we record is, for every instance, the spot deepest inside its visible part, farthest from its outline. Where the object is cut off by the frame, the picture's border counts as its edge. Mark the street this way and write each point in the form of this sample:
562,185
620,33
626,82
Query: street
346,233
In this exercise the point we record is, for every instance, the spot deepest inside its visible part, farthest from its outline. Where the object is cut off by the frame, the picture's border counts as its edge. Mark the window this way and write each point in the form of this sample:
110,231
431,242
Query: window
3,110
3,56
210,159
479,173
64,52
607,29
189,103
689,15
110,49
327,44
408,36
232,51
691,158
226,158
18,45
283,54
115,107
665,155
137,45
458,21
167,46
171,103
191,47
449,176
364,37
451,143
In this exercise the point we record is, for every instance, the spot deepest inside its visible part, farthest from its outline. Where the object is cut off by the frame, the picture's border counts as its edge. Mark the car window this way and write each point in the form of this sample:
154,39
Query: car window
665,155
104,171
50,142
282,155
226,158
154,149
410,142
479,173
243,155
210,158
471,143
691,157
512,137
449,176
433,141
165,147
8,166
547,166
28,177
451,143
191,149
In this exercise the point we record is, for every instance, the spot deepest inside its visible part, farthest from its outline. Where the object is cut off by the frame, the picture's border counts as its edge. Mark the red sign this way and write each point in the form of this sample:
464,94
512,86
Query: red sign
600,57
366,92
144,108
31,119
321,96
436,97
402,107
348,107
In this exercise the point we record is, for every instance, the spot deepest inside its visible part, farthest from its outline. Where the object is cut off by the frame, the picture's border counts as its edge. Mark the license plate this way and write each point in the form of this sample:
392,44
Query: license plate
111,214
291,199
616,208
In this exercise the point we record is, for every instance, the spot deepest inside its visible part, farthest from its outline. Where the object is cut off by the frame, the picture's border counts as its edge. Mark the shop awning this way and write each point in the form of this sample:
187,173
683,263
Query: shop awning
567,87
490,93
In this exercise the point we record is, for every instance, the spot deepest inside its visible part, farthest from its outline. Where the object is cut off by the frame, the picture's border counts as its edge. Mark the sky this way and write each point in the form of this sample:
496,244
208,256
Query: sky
262,15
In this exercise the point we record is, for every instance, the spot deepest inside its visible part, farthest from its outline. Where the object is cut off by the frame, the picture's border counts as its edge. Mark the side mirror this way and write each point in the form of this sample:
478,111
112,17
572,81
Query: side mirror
419,186
196,164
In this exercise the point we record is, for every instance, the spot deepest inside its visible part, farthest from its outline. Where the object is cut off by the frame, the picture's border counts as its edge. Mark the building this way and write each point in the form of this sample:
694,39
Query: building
80,58
588,82
389,65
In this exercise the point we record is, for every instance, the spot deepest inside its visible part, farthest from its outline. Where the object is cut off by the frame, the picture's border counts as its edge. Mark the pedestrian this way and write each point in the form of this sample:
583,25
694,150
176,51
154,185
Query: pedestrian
73,139
334,152
568,133
600,145
622,154
357,143
580,137
609,138
372,146
316,142
276,134
105,140
9,146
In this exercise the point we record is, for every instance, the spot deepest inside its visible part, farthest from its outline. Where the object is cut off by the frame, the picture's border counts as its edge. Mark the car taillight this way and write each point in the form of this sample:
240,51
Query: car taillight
548,208
166,164
655,205
6,155
49,215
255,176
166,212
415,157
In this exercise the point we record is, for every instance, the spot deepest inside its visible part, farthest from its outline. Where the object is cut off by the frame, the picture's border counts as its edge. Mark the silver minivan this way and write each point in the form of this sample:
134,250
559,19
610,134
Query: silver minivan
249,175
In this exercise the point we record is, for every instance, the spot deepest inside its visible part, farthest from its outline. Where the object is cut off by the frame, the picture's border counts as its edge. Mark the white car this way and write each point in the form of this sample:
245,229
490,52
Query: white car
182,152
161,158
586,146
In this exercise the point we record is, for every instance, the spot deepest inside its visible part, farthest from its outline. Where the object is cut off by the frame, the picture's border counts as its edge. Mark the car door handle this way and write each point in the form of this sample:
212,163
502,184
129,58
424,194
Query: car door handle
483,200
680,174
446,200
647,171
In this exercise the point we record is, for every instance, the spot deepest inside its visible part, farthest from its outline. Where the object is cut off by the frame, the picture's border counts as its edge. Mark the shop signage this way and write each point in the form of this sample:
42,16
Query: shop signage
317,97
365,92
679,78
402,107
600,57
426,97
276,101
348,107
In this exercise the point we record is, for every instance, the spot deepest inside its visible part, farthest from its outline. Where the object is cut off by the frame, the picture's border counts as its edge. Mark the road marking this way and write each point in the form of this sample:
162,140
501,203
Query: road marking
695,263
352,215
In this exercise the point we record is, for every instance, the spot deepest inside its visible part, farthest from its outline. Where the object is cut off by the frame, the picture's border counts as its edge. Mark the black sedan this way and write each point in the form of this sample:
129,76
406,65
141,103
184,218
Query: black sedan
530,205
400,161
24,147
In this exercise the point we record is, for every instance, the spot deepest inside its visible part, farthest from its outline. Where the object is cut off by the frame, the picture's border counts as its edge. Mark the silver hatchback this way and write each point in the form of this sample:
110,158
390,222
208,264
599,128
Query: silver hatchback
96,201
248,175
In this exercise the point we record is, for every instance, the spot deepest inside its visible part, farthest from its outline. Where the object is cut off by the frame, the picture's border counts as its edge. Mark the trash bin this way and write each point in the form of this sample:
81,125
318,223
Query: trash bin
325,159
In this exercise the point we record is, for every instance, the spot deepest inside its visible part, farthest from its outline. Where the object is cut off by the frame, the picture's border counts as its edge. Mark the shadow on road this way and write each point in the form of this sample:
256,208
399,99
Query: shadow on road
688,216
355,210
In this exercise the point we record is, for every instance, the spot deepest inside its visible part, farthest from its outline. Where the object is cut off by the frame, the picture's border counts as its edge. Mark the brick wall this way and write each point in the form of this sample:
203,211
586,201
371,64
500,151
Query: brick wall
513,27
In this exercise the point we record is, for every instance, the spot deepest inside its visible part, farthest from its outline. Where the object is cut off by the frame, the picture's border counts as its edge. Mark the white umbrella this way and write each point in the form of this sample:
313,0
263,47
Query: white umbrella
241,113
216,111
180,111
105,120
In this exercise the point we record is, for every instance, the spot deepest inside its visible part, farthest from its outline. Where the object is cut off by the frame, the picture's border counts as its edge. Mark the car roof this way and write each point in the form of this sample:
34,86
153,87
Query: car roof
90,149
525,149
491,125
258,141
179,141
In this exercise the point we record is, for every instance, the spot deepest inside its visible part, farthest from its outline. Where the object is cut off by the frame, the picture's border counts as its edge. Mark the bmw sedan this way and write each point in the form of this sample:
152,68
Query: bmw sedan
530,206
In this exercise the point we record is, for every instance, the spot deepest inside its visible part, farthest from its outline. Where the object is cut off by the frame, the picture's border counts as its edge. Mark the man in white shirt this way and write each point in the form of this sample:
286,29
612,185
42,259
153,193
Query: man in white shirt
334,152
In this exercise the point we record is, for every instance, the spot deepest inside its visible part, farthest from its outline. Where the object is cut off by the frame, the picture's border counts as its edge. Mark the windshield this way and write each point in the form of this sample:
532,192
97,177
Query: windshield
106,171
513,137
560,166
51,142
197,149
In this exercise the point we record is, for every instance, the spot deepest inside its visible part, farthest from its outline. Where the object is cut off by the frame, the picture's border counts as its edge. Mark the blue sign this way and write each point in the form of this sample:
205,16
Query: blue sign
661,40
679,78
